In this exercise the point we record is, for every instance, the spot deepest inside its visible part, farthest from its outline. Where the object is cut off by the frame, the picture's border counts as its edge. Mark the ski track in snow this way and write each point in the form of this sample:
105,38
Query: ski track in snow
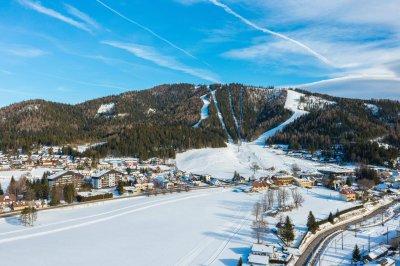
292,104
204,110
61,229
221,119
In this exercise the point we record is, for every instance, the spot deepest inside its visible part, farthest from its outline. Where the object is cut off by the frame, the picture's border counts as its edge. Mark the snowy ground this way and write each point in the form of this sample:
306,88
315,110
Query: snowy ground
222,162
204,110
5,176
334,255
207,227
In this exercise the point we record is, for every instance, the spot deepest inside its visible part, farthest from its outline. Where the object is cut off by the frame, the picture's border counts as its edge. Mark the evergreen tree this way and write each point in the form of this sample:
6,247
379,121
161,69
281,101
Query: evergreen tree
12,187
69,193
348,182
45,188
120,188
55,200
240,262
337,215
311,223
1,191
356,253
330,218
287,232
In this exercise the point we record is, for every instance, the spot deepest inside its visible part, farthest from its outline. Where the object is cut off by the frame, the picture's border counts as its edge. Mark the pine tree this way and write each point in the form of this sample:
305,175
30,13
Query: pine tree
356,253
69,193
240,262
287,232
120,188
311,223
12,187
348,182
330,218
337,215
1,191
55,200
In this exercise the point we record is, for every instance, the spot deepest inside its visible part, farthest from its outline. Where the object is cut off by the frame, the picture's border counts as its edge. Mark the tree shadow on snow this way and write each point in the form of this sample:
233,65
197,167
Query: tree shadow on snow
13,220
229,262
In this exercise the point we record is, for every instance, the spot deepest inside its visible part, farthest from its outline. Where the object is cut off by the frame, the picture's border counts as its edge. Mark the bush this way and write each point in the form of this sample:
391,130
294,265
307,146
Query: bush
94,197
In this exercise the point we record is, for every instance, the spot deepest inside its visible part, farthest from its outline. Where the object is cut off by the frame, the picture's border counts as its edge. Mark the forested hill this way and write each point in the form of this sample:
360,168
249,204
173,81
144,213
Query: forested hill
159,122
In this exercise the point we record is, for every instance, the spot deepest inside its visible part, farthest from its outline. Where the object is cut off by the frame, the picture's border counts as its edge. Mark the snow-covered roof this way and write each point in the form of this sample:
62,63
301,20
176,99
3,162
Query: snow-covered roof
103,172
377,252
262,248
258,259
56,175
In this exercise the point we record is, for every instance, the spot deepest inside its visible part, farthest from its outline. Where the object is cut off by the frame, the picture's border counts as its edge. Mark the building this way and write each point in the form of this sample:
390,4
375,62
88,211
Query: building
282,180
7,200
260,185
347,194
303,182
66,177
260,254
107,178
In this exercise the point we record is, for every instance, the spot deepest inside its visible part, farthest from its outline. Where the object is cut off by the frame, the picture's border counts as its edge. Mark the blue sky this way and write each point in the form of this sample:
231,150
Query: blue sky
71,51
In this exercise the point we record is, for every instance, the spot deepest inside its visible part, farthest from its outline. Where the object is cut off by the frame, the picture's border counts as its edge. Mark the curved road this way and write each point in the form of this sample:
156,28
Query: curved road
313,246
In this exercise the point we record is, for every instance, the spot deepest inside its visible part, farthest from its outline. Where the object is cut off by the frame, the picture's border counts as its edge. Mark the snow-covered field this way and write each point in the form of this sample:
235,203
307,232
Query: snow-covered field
334,255
5,176
206,227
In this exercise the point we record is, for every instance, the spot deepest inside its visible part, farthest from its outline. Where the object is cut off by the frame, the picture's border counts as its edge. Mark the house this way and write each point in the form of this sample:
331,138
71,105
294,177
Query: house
66,177
260,254
347,194
303,182
215,182
7,200
377,253
395,241
259,186
107,178
382,262
282,180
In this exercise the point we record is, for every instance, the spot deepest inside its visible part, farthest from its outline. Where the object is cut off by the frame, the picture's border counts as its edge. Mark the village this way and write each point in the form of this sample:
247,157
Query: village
351,192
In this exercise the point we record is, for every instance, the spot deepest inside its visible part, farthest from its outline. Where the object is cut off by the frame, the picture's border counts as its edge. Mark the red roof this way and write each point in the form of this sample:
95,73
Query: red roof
8,197
346,190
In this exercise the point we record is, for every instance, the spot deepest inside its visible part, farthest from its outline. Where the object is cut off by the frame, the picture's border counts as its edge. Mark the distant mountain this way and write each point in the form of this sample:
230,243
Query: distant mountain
160,122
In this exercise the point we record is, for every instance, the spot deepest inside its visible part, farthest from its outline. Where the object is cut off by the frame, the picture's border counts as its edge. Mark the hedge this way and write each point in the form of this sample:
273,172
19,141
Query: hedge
80,198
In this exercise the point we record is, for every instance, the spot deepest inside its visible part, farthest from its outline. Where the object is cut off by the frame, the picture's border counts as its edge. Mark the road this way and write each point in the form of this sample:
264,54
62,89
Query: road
313,246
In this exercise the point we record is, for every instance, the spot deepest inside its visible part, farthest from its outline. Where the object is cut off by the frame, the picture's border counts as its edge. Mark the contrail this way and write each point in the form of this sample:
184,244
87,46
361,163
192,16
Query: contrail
251,24
149,30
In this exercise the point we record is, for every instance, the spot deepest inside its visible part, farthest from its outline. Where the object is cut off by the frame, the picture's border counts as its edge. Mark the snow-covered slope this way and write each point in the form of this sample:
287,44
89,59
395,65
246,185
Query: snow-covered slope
221,119
372,107
106,109
204,110
313,102
292,104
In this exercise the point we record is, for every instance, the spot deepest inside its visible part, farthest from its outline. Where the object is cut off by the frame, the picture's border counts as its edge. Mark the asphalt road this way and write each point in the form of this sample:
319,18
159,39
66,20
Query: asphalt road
313,246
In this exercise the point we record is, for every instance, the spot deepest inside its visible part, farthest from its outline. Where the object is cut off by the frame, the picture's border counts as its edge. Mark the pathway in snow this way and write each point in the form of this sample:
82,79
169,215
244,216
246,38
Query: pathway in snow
204,110
221,119
292,104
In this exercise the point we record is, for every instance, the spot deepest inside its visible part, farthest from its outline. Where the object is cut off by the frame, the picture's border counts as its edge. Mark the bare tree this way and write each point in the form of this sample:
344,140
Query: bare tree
260,226
297,197
295,168
257,210
279,197
259,229
254,167
365,185
282,196
264,202
270,198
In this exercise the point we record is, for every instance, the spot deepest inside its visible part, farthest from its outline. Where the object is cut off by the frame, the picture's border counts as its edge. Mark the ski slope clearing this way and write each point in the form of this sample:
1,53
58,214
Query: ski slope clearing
292,104
221,118
204,110
208,227
106,109
222,162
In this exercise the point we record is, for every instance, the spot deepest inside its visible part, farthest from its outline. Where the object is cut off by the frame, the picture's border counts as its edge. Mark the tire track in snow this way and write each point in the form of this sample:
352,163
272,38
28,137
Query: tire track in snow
81,218
2,241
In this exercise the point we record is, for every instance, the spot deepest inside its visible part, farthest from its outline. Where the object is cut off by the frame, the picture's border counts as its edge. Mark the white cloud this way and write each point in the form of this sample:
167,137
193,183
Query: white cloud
82,16
149,31
148,53
37,6
21,51
268,31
